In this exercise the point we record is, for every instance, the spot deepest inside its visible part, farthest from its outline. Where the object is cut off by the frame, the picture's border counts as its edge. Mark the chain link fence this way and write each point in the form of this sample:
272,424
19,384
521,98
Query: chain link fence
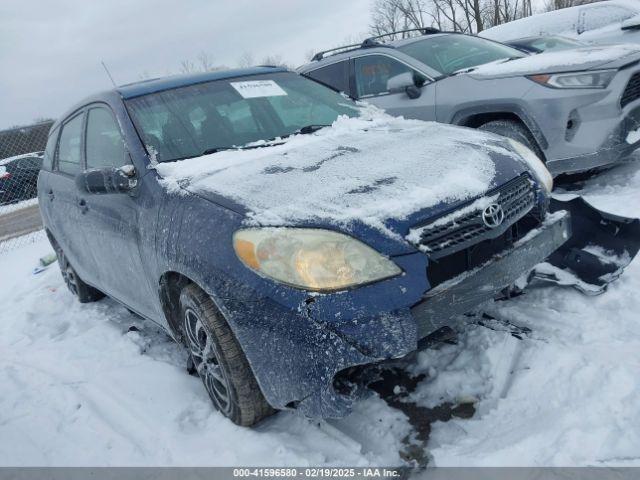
21,151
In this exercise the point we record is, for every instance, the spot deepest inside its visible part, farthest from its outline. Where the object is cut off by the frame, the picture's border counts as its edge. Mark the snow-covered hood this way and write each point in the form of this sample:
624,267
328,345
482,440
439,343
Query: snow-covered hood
384,172
584,58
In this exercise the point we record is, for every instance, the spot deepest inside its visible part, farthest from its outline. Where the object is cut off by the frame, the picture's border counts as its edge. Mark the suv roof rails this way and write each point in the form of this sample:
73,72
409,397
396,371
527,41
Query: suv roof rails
372,42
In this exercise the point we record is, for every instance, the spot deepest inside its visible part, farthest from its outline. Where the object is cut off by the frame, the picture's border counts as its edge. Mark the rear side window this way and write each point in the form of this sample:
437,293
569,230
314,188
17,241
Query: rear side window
335,76
69,146
104,143
50,149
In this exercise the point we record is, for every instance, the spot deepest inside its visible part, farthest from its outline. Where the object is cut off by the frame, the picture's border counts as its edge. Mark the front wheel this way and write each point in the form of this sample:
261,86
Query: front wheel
219,360
515,131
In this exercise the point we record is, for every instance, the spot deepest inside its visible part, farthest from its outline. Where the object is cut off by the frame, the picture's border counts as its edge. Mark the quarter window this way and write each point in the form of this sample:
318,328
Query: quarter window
50,149
373,72
335,76
69,147
104,143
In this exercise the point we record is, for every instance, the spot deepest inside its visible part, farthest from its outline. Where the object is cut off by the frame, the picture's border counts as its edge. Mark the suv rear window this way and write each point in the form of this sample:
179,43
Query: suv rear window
187,121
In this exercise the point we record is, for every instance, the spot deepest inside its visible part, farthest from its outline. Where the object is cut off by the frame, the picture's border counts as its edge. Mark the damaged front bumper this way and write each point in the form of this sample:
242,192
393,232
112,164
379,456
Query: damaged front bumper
463,293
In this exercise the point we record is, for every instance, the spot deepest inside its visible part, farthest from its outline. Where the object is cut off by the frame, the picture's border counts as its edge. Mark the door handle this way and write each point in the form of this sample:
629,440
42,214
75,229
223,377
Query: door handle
51,195
83,205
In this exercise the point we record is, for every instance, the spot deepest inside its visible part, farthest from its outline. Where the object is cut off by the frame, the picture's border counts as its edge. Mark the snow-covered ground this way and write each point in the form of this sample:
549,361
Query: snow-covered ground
78,388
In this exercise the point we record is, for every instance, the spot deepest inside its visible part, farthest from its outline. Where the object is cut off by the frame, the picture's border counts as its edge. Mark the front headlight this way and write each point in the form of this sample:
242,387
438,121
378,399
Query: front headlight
540,170
312,259
599,79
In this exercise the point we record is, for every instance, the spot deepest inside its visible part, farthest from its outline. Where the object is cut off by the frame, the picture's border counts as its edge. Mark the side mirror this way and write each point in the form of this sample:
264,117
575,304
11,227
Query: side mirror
404,82
632,23
107,180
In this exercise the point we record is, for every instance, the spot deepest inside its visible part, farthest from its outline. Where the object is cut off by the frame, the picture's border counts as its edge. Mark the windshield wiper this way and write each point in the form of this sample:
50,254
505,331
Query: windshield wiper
310,128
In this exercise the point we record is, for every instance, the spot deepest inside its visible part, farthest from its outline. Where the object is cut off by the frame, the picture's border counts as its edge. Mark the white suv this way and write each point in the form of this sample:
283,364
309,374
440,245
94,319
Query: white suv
613,21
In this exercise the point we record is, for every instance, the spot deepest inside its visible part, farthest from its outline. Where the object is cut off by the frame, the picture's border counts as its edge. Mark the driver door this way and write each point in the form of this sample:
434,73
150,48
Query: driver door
111,220
374,76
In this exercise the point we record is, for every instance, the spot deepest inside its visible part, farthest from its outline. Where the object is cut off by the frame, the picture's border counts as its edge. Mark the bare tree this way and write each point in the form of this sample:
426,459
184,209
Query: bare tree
202,63
246,60
469,16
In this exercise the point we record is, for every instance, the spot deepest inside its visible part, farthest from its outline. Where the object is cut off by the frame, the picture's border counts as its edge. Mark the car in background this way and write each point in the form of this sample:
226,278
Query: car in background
19,177
286,235
545,43
578,113
611,21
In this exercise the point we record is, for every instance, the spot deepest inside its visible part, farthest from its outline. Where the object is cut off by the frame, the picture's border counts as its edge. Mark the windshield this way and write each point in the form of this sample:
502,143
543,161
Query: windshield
189,121
450,53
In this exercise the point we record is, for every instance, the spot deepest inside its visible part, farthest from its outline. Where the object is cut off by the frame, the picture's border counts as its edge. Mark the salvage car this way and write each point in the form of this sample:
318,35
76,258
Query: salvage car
18,177
576,110
286,235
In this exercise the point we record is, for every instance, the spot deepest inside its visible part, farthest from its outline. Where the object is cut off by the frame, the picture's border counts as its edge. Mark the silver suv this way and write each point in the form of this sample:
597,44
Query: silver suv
578,109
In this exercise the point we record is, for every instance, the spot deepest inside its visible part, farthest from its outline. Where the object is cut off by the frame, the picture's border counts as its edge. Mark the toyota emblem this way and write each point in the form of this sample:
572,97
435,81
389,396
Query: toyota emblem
493,215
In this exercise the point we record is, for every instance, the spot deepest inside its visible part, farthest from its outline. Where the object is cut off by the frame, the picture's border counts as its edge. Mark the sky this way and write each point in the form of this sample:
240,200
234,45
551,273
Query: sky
50,51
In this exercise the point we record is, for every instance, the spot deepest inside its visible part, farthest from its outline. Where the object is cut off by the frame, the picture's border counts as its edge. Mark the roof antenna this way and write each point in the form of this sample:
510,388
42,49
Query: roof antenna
108,73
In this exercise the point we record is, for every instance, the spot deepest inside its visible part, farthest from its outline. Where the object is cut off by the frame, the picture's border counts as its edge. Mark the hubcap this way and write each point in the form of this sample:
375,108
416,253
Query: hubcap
206,361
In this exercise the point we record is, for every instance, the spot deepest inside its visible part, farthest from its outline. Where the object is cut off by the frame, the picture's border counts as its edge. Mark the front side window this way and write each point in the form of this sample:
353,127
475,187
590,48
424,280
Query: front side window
231,113
450,53
69,146
373,73
335,76
104,143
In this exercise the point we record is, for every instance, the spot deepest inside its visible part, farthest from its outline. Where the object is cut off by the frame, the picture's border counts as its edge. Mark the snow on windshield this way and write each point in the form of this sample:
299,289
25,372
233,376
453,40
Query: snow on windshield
368,168
549,60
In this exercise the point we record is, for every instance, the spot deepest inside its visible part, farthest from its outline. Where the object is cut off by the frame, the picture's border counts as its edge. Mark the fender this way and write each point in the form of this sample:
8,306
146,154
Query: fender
464,117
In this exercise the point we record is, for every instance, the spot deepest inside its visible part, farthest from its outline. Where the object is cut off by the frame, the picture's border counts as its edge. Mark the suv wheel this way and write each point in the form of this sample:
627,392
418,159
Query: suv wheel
219,360
515,131
85,293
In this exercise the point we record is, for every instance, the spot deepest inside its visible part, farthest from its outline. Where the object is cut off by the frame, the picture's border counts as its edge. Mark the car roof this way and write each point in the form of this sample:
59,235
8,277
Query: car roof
373,48
154,85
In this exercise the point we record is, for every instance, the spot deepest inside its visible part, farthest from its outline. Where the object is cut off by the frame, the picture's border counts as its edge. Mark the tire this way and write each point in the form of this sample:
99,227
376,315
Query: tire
219,360
515,131
83,292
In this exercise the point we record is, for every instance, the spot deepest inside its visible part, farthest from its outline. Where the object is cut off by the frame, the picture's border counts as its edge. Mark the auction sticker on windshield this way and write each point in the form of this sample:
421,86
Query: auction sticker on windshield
258,88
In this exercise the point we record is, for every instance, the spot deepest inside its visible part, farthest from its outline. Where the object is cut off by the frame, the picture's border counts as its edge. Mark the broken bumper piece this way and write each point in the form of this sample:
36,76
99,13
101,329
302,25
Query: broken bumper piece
465,292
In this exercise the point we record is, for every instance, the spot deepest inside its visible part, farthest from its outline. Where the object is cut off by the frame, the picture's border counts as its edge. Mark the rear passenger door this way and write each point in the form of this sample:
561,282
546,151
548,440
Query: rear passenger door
111,221
63,201
372,73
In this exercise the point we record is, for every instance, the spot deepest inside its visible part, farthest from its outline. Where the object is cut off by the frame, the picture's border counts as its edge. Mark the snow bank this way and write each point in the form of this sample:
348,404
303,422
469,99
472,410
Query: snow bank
79,389
560,60
369,168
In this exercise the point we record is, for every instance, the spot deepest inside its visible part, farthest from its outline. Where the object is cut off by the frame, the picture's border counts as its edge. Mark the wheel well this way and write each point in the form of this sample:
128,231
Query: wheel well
474,121
52,239
171,284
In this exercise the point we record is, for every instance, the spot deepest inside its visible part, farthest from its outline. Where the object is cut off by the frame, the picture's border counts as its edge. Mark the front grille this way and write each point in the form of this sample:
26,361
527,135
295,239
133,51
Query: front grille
438,239
631,91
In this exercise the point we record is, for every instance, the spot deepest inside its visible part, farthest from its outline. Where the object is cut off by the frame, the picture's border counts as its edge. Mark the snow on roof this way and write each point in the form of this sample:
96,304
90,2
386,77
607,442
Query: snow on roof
560,59
370,168
563,21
